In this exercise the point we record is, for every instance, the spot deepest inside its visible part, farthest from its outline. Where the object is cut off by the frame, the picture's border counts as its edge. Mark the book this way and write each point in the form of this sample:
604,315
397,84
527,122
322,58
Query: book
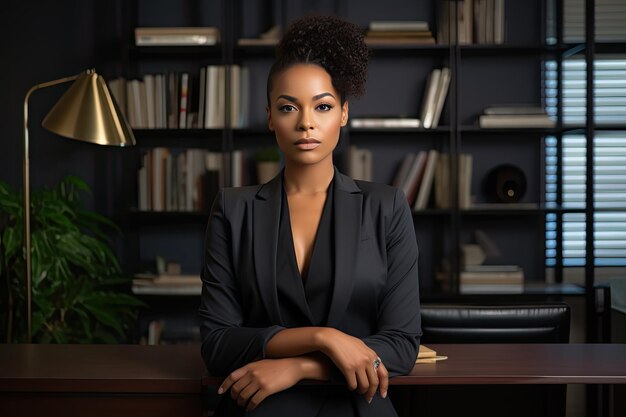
427,180
514,110
176,36
515,121
405,41
384,122
411,183
398,25
428,102
440,96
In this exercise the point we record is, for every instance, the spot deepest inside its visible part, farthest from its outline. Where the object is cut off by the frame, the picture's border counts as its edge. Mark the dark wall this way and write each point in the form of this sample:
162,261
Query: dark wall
44,41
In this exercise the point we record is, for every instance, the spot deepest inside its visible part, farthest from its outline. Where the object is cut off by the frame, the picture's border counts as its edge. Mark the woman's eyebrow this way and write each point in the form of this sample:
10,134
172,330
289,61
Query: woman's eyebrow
295,100
319,96
286,97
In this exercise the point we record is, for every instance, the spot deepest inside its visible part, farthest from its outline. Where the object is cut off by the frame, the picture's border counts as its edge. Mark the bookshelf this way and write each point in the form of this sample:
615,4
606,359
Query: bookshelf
483,75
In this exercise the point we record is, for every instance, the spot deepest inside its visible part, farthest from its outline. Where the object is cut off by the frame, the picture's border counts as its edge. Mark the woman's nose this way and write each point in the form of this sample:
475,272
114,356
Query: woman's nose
306,122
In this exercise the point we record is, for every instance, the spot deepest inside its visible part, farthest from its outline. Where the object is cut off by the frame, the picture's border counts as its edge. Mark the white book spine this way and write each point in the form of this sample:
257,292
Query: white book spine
428,104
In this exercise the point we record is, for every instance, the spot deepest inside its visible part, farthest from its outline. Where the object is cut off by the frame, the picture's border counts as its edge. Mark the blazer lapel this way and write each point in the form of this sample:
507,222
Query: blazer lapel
348,202
266,210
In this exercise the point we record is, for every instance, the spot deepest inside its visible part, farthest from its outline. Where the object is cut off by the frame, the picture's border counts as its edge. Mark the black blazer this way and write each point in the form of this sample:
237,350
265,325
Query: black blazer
375,295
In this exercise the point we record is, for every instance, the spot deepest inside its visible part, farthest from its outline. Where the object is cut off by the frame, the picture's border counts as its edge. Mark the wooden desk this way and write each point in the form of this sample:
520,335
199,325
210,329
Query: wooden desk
130,380
100,380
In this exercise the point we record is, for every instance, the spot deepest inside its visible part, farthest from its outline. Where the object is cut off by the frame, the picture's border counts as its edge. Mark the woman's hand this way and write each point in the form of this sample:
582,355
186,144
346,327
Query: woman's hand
355,360
253,383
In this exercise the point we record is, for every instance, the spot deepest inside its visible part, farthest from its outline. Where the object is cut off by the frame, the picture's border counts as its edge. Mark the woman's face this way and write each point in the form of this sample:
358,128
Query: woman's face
306,114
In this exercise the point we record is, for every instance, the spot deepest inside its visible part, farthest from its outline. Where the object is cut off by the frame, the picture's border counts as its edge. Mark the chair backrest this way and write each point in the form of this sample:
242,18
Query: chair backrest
529,323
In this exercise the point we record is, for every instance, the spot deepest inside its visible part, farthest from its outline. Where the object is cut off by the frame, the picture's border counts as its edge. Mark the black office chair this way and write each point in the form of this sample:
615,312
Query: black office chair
533,323
510,323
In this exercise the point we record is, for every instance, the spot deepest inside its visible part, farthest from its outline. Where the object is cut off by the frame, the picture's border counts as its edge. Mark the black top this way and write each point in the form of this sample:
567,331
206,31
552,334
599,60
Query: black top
305,301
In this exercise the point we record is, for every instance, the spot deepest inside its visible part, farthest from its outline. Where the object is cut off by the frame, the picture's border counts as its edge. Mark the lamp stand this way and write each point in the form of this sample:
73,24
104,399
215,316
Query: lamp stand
26,174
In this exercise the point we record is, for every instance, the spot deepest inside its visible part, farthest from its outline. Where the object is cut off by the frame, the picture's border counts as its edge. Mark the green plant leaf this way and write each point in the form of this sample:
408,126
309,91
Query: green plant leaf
105,317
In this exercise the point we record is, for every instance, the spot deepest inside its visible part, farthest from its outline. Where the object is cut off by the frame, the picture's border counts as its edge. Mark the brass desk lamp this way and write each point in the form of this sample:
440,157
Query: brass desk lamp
88,112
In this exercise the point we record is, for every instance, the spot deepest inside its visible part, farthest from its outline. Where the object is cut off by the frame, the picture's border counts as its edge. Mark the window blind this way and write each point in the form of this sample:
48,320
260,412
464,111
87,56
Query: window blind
609,171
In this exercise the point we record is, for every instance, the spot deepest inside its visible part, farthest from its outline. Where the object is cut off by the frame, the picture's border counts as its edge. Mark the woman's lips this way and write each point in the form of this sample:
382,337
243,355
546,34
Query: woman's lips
308,144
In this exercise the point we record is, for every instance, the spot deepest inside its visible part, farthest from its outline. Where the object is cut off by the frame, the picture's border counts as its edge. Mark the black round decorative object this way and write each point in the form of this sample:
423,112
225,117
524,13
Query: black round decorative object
505,184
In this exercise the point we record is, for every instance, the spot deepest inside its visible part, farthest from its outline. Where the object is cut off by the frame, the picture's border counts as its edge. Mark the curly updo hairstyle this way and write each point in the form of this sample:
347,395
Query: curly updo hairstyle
333,44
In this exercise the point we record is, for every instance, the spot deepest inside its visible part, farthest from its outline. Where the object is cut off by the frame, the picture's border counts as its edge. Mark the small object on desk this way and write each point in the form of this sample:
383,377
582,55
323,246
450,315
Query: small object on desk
427,355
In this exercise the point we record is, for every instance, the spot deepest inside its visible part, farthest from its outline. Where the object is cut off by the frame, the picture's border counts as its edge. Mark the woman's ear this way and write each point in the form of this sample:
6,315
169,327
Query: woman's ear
344,113
270,125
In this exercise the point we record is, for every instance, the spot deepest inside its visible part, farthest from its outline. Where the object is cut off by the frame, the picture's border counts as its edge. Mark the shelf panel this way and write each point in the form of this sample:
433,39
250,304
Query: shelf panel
389,49
515,131
507,49
187,138
432,212
168,217
176,52
399,131
501,211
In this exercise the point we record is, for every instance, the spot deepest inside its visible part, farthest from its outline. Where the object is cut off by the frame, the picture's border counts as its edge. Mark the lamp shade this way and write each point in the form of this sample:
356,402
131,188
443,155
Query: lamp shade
88,112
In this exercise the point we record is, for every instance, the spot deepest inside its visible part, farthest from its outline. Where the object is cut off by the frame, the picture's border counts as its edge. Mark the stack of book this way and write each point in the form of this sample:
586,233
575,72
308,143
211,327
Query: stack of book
412,32
478,21
166,284
501,279
428,355
176,36
515,117
434,97
267,38
487,279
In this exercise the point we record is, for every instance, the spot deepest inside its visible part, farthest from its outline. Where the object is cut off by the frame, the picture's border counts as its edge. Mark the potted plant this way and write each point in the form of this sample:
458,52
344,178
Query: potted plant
79,294
267,163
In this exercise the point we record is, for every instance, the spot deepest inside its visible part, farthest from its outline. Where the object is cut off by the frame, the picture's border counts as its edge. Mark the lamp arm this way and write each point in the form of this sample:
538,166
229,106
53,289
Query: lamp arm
26,174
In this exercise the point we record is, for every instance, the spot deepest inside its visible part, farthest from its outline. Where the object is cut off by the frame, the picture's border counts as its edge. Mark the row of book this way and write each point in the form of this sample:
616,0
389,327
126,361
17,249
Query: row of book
186,179
407,32
477,22
418,172
183,100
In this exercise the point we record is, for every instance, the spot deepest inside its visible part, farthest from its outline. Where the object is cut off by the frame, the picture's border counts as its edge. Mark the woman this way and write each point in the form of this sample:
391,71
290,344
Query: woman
312,276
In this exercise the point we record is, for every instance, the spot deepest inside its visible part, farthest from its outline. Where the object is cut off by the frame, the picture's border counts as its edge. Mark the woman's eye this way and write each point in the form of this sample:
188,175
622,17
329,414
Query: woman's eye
325,107
286,108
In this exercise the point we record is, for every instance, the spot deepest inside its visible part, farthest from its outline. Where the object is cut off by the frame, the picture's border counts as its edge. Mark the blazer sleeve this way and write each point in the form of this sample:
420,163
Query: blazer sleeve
399,325
226,343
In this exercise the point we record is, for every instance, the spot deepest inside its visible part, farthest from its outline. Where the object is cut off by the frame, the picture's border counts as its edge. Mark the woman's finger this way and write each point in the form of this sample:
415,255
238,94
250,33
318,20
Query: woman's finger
257,399
372,375
351,380
239,386
362,380
247,393
230,380
383,377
